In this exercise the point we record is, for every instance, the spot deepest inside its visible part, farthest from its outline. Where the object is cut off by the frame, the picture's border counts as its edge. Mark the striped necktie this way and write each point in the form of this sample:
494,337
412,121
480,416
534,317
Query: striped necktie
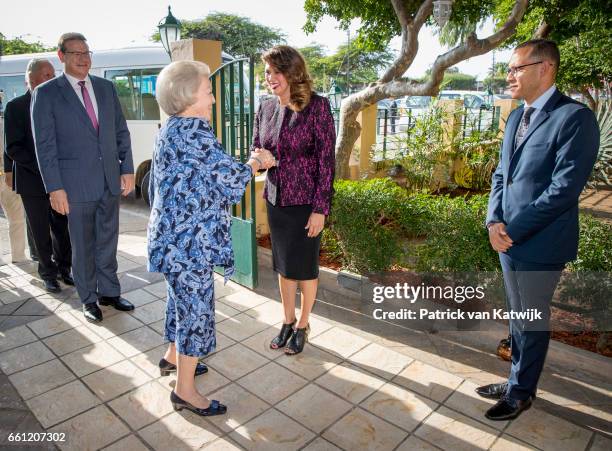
89,105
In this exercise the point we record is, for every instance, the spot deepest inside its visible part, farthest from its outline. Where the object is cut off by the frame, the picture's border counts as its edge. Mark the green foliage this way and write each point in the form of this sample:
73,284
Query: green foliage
365,223
496,81
588,285
18,46
362,65
602,172
375,224
479,152
458,81
372,222
457,240
595,248
424,149
453,79
316,60
583,31
378,22
241,36
427,158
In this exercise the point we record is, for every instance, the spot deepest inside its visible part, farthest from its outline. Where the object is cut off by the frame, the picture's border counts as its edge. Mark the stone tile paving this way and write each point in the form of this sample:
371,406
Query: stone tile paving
352,388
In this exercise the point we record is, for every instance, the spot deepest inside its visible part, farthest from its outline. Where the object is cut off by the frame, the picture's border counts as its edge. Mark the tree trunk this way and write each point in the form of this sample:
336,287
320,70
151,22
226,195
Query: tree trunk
591,102
349,130
543,31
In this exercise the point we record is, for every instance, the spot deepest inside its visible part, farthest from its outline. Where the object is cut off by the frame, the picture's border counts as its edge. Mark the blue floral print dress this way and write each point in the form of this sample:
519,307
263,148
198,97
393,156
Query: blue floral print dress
193,184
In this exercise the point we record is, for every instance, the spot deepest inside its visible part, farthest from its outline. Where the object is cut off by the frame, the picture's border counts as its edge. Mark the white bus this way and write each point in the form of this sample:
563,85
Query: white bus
134,72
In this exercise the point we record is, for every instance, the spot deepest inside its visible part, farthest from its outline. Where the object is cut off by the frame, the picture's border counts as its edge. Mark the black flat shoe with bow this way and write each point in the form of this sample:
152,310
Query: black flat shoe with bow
215,407
298,340
283,337
165,368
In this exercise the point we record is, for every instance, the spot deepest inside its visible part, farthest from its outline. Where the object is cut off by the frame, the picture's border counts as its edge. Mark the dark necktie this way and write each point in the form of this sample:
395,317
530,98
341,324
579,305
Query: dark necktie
523,127
88,105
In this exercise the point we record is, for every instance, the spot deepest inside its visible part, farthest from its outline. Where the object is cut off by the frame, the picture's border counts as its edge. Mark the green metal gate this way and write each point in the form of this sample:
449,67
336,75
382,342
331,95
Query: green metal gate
233,88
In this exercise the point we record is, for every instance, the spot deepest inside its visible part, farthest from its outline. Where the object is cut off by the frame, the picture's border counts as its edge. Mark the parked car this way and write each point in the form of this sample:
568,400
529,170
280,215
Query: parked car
471,99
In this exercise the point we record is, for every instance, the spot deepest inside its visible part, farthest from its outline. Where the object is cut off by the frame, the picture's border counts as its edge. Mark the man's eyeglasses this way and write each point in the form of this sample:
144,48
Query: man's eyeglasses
79,54
515,70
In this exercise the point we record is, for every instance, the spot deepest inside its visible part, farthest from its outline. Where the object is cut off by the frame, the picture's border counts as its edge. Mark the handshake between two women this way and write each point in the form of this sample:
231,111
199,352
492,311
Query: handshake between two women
264,159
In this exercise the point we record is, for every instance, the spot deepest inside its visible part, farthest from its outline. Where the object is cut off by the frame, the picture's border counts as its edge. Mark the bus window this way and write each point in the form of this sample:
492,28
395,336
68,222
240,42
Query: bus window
150,108
12,86
136,91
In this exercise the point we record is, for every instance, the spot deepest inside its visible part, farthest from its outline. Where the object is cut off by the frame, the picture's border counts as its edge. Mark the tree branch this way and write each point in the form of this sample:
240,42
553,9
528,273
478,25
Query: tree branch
392,85
474,46
543,30
410,37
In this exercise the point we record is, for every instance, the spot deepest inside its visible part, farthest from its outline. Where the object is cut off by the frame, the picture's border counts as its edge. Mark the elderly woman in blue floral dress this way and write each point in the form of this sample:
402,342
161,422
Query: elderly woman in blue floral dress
193,185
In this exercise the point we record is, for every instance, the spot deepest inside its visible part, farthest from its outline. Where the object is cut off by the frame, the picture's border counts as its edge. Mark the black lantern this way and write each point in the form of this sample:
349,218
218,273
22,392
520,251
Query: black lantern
169,31
335,96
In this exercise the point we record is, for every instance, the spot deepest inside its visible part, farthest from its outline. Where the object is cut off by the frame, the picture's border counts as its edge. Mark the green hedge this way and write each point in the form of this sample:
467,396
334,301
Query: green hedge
376,224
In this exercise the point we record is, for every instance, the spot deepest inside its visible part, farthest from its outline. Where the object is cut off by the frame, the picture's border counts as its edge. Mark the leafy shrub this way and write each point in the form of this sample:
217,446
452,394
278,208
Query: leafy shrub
424,150
603,166
588,286
479,153
372,220
457,239
364,221
594,247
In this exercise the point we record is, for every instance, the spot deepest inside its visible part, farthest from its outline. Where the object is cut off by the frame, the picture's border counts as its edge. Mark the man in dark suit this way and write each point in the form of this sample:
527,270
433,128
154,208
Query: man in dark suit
549,149
49,228
85,158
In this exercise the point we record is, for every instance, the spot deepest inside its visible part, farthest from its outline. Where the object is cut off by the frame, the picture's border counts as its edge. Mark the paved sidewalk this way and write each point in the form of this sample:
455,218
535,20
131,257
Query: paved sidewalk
598,203
356,386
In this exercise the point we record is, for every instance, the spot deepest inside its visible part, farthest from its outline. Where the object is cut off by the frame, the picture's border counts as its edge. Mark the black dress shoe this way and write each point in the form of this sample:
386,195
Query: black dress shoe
92,312
118,302
51,286
215,407
493,391
507,409
165,368
66,277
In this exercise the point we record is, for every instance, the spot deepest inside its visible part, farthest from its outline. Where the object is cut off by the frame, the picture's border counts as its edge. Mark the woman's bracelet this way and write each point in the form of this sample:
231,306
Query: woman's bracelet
258,161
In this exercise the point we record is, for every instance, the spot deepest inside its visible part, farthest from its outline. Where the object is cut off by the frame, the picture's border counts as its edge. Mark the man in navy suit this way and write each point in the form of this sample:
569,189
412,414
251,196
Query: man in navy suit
549,149
49,228
85,159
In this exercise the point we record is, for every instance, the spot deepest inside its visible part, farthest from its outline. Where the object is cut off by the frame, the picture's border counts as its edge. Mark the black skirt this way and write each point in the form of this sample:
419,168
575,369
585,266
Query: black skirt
294,255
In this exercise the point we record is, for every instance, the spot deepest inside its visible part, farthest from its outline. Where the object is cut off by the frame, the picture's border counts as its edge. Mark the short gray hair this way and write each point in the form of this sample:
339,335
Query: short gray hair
71,36
34,65
177,85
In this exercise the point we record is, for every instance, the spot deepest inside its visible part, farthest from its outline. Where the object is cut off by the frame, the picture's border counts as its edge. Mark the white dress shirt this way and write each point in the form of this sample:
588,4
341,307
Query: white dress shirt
539,103
74,82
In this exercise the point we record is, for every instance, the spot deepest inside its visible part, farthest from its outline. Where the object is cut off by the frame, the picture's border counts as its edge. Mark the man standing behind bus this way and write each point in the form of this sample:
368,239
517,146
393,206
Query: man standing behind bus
85,158
49,228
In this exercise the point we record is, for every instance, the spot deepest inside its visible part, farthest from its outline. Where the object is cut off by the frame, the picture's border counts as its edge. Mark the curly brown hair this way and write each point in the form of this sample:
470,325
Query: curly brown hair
292,65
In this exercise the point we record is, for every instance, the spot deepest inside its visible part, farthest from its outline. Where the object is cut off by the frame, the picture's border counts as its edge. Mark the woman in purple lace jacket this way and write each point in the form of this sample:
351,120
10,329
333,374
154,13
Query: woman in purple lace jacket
297,126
